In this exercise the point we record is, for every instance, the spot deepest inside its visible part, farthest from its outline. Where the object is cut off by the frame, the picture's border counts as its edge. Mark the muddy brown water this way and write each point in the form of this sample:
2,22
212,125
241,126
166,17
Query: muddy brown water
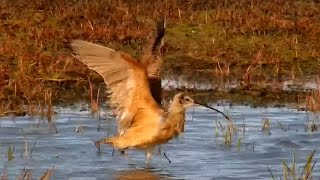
198,154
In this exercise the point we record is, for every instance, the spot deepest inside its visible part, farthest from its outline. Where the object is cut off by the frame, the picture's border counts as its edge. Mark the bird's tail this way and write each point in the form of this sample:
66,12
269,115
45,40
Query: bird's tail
108,140
114,141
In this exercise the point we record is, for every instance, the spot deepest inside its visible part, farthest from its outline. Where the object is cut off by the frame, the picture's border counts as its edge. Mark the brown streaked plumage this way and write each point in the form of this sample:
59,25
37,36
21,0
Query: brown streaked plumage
125,77
171,126
140,118
152,53
152,60
175,119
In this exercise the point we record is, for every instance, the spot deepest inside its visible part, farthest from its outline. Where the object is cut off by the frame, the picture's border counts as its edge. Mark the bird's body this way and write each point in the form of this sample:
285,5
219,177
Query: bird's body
146,138
162,130
142,122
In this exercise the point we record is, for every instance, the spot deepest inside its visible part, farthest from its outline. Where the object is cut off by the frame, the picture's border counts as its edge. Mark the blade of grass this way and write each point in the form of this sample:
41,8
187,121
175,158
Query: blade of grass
309,159
271,174
311,169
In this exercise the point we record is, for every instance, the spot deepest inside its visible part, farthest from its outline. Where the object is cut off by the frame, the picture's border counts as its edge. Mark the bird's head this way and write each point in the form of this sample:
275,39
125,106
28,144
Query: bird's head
181,102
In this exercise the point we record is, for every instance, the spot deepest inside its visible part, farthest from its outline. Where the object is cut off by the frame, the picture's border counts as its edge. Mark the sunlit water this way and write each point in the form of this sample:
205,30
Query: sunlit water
198,154
183,82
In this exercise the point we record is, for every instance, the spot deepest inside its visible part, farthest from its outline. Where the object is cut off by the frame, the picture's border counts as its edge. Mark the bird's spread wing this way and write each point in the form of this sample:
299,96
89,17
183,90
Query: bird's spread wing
125,77
153,52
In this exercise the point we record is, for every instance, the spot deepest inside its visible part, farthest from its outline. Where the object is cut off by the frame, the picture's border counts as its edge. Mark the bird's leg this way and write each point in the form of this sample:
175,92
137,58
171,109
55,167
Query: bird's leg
97,144
122,152
164,154
159,150
148,155
127,157
181,137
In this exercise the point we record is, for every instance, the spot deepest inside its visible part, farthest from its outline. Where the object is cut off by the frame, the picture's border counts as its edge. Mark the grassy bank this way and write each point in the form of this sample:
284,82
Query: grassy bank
245,40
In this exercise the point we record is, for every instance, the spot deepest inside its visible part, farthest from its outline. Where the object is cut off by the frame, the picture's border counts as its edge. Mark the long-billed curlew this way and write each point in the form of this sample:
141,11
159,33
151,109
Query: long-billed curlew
144,123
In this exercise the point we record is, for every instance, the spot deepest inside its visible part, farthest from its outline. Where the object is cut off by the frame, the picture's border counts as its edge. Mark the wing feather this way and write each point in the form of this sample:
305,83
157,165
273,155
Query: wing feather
126,79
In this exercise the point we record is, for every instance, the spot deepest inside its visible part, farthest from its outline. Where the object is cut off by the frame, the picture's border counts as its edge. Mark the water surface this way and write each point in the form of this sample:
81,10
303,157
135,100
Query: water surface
198,154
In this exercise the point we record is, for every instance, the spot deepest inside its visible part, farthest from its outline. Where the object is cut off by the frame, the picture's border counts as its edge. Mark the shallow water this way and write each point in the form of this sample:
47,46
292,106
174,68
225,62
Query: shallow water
198,154
197,83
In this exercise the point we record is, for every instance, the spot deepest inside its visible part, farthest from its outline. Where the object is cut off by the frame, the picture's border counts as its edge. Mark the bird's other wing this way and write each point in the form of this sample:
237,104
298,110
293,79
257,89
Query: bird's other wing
159,40
125,77
153,52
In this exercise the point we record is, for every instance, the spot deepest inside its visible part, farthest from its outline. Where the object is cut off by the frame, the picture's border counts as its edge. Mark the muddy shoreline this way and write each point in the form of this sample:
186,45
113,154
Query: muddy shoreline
289,93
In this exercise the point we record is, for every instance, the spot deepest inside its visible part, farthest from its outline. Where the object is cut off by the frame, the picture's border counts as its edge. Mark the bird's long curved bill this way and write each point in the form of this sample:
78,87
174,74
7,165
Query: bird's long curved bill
204,105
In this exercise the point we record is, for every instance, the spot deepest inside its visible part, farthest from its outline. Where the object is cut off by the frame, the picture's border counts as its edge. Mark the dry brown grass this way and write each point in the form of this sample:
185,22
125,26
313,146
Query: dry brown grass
313,99
281,38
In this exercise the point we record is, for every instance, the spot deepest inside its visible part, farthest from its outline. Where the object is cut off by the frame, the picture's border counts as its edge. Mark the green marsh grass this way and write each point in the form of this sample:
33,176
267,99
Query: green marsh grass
292,173
10,153
4,174
26,174
47,174
239,144
312,126
94,102
266,125
313,99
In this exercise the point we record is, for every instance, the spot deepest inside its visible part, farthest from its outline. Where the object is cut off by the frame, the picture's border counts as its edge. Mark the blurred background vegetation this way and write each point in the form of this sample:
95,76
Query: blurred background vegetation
246,41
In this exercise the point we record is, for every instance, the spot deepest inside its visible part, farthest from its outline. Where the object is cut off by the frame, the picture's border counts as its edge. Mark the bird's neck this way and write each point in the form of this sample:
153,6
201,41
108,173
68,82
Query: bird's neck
173,125
176,109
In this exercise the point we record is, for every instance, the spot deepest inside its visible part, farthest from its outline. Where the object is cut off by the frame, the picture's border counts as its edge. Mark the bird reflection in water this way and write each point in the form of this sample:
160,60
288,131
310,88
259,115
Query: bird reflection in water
139,174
